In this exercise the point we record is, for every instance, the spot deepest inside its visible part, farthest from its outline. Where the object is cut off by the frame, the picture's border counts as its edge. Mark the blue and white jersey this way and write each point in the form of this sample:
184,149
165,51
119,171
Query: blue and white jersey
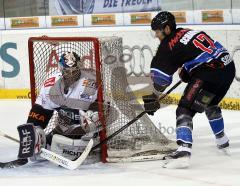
188,49
207,57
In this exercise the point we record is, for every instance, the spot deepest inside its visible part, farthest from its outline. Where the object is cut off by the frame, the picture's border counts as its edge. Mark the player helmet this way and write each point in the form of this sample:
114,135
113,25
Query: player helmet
70,66
162,19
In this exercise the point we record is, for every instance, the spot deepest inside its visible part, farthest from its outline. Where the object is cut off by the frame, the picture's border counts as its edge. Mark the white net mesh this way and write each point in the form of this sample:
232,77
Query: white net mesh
140,140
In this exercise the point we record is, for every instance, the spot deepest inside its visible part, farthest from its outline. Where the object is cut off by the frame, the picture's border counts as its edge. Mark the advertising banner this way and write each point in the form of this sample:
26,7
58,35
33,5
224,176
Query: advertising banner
180,16
66,7
213,16
141,18
64,21
125,6
209,16
25,22
103,19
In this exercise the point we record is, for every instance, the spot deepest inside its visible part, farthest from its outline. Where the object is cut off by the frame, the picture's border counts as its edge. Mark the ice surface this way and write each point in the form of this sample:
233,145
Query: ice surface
208,165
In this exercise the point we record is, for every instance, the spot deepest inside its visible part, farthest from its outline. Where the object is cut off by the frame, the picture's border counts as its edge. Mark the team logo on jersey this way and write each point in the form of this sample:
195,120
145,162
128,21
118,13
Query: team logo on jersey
86,97
89,83
71,114
49,82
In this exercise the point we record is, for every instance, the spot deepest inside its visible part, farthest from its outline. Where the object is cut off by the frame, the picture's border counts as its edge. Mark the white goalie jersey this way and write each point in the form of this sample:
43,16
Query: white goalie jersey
72,105
83,92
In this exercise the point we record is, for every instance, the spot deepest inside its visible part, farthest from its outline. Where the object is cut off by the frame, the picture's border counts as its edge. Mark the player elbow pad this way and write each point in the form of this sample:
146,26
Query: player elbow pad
160,79
39,116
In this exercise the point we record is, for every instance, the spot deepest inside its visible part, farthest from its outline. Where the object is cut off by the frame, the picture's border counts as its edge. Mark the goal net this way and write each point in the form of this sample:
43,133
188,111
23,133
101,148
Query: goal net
117,104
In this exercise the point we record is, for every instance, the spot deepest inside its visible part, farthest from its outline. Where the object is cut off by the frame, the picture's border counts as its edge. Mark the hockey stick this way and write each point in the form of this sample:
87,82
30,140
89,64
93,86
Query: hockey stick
135,119
50,156
64,162
8,137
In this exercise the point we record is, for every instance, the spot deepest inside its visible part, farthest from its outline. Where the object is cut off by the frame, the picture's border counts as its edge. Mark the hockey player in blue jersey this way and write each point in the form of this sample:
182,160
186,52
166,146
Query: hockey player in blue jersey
207,68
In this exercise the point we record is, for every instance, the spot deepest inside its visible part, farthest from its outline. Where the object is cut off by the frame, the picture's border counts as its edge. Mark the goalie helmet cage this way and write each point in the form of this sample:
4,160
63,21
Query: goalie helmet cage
140,141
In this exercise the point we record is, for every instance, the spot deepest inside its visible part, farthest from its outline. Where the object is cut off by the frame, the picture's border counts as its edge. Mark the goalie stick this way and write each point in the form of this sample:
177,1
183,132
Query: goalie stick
57,159
64,162
8,137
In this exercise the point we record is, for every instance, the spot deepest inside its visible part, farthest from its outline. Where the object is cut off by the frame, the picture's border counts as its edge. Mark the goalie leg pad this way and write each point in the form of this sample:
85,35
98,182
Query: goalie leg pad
67,147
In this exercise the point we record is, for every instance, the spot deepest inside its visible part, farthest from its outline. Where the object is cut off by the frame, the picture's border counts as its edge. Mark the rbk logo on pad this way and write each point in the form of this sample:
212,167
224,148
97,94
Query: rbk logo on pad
27,140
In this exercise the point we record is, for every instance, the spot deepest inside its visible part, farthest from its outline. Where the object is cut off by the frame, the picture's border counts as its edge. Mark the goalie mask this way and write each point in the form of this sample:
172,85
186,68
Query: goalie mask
70,67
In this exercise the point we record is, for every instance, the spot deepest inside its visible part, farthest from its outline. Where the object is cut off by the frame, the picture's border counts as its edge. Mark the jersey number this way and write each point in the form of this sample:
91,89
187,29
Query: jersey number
198,44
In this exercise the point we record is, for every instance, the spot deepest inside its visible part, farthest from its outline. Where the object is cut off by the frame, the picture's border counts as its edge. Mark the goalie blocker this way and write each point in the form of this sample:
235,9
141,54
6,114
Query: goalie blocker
32,139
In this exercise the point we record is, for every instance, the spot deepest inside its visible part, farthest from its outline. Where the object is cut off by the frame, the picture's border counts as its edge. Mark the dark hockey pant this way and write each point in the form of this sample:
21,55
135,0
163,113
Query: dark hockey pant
203,93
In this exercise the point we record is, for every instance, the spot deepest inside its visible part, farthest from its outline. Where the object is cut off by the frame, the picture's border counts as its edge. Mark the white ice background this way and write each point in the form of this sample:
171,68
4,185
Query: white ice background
209,167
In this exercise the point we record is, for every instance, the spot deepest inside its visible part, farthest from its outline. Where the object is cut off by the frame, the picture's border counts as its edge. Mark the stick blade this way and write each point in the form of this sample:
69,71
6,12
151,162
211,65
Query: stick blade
64,162
84,155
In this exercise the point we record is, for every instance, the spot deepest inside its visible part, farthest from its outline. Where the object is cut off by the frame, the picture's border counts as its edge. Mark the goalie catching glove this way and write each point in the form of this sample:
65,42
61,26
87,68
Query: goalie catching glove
90,121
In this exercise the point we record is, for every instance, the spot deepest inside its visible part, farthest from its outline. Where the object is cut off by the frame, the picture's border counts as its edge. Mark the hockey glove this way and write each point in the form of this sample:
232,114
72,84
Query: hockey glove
184,75
90,121
151,103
